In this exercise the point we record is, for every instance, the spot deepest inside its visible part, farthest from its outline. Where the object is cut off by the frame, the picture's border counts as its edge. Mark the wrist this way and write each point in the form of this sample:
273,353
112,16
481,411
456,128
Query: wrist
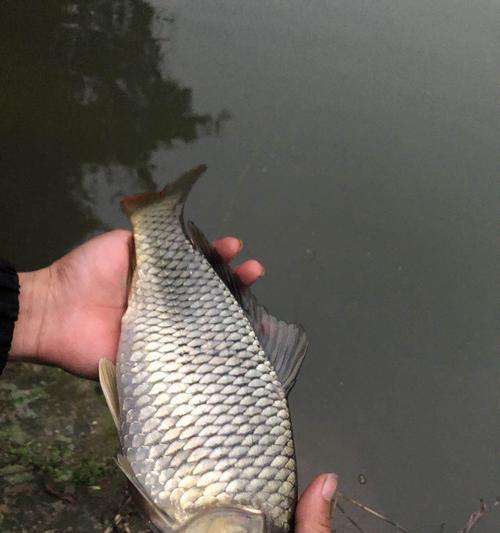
34,298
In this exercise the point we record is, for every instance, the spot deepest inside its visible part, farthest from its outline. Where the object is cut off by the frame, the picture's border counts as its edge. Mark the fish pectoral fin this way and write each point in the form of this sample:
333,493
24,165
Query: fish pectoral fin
107,379
160,518
285,344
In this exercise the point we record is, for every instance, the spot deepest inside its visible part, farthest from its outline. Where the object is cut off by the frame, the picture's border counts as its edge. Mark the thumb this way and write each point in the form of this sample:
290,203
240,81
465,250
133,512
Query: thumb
314,507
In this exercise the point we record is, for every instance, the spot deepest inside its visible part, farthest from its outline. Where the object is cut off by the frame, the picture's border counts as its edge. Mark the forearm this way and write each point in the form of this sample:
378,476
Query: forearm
29,327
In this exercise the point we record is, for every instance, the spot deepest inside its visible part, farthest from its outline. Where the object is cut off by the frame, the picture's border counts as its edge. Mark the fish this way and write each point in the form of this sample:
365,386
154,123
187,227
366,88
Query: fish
199,390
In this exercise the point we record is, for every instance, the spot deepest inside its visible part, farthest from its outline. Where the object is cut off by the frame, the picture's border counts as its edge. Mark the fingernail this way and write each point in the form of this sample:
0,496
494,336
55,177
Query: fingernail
263,273
240,247
329,487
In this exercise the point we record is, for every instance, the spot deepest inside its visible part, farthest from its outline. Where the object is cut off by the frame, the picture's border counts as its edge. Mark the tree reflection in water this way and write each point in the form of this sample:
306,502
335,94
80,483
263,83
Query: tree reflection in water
81,91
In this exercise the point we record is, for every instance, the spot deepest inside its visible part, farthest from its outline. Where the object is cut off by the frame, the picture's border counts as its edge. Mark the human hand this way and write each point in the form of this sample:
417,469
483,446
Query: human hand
70,312
313,514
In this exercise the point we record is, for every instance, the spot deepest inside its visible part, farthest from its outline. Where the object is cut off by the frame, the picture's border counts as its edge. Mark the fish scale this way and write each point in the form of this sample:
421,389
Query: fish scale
203,415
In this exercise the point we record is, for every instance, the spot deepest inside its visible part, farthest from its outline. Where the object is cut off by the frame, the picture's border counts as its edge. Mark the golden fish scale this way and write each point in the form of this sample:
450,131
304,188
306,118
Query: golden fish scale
204,419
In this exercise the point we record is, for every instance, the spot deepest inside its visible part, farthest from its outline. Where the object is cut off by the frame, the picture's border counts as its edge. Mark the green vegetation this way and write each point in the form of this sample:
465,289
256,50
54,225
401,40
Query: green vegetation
56,460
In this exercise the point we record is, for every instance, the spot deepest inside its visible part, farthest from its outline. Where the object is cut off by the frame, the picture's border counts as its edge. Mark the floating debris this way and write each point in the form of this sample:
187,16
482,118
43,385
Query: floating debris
476,516
371,511
350,519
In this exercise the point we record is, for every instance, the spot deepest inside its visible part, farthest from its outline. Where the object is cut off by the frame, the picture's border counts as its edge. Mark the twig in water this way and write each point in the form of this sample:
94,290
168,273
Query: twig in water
333,507
351,520
476,516
371,511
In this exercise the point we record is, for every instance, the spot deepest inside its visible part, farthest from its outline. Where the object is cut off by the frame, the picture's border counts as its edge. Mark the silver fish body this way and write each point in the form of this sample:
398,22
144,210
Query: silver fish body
202,411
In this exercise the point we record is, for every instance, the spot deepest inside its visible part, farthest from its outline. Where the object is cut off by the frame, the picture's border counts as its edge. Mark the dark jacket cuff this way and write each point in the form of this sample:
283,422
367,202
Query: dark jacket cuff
9,307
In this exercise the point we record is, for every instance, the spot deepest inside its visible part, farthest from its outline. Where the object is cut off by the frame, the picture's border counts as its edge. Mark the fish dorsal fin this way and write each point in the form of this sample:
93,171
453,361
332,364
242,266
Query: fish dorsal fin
285,344
158,516
223,270
107,379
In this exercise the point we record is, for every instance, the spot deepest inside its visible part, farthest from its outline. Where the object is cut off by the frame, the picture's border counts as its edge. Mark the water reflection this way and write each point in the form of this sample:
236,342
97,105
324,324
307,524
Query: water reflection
83,103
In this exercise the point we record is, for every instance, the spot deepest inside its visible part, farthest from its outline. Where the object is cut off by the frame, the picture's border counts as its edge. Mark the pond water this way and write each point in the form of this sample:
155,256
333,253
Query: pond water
353,146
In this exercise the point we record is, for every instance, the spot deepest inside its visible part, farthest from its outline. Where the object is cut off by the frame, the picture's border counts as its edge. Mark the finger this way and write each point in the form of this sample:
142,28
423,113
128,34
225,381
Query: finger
228,247
313,510
250,271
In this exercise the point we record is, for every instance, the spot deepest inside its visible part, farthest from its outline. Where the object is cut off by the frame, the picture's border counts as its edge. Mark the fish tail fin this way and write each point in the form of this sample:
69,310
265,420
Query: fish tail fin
178,189
184,183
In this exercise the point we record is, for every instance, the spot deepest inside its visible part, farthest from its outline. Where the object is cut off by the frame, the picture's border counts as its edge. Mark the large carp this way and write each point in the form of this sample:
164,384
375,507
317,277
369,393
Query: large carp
199,393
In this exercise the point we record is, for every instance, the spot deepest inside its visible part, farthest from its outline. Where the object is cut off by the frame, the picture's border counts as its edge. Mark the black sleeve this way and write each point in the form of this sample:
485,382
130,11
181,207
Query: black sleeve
9,307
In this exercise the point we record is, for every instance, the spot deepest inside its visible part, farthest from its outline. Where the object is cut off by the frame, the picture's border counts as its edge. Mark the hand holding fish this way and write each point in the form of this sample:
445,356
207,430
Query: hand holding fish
70,317
71,310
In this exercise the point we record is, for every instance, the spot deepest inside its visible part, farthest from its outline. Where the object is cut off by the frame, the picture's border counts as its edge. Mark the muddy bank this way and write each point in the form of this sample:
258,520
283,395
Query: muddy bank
58,441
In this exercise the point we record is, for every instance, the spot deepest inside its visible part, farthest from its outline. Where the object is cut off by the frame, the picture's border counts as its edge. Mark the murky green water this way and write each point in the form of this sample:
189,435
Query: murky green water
353,146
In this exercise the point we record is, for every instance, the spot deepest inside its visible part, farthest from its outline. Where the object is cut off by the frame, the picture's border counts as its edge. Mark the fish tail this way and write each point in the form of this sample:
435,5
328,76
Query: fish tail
178,189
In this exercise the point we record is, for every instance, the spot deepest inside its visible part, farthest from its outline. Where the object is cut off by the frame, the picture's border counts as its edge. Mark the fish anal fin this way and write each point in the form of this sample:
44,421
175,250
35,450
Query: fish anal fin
107,379
285,344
